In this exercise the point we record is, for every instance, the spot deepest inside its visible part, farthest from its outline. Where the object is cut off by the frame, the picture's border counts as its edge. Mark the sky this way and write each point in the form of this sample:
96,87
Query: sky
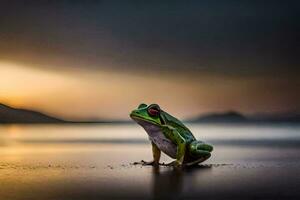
100,59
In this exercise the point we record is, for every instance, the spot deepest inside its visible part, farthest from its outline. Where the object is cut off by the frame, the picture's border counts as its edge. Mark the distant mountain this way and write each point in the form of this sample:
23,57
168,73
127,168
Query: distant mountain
235,117
230,116
13,115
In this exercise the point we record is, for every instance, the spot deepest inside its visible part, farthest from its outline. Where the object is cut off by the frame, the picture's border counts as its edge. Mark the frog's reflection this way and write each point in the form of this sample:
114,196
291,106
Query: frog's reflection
168,182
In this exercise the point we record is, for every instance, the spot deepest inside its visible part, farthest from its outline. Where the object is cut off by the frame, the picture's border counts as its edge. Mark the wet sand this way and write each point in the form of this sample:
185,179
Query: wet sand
41,170
210,181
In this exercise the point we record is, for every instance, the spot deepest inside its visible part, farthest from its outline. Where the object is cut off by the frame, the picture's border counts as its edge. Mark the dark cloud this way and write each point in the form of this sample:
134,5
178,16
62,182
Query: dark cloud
226,37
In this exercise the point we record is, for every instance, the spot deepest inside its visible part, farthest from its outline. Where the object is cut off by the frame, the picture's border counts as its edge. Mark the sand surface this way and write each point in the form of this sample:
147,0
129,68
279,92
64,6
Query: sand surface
69,167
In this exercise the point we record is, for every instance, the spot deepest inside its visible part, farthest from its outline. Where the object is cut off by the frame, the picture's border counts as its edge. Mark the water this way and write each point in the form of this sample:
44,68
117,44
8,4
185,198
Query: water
232,143
94,161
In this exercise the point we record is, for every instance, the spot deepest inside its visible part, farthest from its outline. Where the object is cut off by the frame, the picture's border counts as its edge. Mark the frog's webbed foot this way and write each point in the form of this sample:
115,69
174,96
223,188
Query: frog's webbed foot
175,164
142,162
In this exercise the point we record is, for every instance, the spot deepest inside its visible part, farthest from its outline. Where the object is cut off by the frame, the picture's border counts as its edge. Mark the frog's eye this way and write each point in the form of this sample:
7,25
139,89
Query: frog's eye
142,105
153,110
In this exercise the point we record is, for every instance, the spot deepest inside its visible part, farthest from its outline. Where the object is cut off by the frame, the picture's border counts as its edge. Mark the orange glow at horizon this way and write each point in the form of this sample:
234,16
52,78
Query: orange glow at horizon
111,95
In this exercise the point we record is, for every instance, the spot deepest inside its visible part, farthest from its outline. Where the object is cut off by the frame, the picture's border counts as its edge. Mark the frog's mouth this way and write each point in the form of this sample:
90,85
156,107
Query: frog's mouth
139,119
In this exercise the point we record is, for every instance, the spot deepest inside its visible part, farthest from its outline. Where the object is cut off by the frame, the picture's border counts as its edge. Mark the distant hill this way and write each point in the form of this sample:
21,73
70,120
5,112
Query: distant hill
13,115
235,117
221,117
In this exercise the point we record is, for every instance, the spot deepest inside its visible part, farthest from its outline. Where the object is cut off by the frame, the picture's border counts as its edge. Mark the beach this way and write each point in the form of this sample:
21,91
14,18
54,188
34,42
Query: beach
96,162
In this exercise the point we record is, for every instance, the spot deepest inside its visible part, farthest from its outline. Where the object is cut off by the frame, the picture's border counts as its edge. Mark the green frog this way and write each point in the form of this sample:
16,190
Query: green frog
171,136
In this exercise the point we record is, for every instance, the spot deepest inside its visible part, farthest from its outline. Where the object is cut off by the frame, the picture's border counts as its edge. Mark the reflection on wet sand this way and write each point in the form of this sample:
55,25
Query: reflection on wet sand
168,182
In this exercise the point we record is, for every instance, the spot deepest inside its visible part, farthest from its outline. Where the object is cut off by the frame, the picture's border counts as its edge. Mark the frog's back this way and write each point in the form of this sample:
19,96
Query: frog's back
180,127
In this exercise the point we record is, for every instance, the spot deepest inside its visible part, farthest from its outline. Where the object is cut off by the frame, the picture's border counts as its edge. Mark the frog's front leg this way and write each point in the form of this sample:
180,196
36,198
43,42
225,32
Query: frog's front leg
175,136
156,156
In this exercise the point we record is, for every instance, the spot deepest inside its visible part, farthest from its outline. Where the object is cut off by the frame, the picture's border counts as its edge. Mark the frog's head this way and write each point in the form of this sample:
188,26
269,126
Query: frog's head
148,114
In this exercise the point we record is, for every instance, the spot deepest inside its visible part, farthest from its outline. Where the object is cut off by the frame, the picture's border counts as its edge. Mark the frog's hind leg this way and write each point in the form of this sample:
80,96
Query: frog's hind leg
199,151
203,146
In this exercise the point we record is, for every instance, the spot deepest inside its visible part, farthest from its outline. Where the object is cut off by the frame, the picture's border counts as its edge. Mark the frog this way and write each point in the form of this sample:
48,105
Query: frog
169,135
